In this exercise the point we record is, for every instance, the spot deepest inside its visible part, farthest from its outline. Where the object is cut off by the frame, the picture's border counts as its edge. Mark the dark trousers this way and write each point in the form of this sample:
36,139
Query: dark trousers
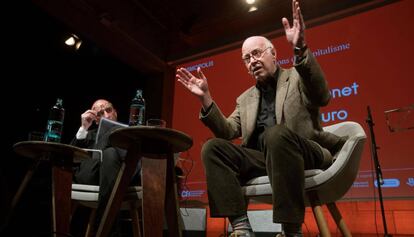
284,157
95,172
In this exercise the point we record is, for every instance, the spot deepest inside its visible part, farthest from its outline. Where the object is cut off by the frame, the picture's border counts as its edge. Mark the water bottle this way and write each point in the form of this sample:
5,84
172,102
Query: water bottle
137,110
55,122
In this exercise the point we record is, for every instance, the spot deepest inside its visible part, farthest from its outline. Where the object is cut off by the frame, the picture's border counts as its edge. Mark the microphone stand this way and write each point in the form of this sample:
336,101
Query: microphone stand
380,180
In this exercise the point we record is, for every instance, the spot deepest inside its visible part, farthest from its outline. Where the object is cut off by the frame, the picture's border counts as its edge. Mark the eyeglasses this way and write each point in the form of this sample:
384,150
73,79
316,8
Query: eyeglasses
256,54
108,109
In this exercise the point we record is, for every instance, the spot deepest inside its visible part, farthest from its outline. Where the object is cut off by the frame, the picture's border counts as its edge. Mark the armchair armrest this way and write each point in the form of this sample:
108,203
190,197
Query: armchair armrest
94,151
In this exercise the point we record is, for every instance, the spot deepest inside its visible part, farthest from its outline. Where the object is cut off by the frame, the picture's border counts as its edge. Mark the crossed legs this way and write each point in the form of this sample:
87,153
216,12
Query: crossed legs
283,157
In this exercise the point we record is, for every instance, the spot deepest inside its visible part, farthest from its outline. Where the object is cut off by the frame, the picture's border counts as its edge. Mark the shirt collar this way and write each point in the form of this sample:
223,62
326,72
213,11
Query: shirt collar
270,83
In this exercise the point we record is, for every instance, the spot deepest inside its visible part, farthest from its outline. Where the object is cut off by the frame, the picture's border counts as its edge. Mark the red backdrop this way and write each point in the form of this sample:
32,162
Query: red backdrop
367,61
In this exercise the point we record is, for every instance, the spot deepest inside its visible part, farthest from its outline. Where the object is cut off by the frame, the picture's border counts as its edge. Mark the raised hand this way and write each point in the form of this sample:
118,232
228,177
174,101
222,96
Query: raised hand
295,35
87,118
197,86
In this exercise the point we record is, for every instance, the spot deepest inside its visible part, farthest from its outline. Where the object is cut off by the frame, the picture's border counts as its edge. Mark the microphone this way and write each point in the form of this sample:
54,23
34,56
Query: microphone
381,180
369,119
370,122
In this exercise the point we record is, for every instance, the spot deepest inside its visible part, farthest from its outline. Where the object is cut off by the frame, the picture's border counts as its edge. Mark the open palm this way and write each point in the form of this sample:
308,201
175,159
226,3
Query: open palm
295,35
196,85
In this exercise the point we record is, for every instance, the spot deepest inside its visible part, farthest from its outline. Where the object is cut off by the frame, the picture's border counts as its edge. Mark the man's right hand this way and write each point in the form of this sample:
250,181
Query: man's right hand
295,35
87,118
196,85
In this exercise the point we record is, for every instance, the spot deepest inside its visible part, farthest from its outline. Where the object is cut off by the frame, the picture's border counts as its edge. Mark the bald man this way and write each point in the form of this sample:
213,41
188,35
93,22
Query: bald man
85,138
93,171
278,121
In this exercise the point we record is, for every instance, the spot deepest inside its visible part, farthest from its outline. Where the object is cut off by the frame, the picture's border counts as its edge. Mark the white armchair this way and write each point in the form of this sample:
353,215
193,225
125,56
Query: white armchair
323,186
87,195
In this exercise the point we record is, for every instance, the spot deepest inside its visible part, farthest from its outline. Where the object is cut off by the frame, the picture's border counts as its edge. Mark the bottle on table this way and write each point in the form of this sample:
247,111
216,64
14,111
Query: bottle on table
55,120
137,110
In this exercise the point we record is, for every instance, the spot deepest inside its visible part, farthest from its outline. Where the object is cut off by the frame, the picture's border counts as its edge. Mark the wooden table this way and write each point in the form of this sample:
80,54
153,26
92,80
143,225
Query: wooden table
61,157
156,147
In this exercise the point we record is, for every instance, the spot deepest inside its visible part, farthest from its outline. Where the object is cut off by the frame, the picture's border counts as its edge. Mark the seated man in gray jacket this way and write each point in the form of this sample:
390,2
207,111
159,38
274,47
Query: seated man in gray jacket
278,120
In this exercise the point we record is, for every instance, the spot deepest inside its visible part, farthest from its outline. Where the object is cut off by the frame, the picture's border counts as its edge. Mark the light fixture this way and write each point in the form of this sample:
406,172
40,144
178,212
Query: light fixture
252,6
73,41
252,9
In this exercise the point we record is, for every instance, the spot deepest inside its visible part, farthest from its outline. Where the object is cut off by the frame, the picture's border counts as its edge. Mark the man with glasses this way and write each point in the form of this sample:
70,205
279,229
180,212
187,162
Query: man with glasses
278,121
94,171
88,172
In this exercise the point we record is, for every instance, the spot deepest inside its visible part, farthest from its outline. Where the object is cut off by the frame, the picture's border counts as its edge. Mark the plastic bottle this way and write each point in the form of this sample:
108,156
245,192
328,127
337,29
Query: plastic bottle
137,110
54,126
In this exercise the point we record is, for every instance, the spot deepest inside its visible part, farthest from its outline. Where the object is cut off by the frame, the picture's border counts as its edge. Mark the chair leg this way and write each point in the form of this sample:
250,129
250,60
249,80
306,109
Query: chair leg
74,207
136,227
24,183
90,223
336,215
320,221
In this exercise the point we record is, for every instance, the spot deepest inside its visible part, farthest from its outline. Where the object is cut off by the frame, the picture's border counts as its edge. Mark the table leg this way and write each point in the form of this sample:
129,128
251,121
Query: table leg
122,182
23,185
153,188
172,211
61,199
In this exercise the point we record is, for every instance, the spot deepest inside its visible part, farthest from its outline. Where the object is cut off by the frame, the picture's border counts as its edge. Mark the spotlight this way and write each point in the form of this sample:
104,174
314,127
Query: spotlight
252,9
252,5
73,41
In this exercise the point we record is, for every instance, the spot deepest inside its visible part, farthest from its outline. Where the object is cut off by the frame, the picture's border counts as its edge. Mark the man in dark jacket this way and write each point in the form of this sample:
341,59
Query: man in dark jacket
95,171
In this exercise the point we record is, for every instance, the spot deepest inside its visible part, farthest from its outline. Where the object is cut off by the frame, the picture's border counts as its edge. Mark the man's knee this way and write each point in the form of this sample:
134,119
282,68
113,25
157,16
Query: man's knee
88,172
110,155
277,133
211,147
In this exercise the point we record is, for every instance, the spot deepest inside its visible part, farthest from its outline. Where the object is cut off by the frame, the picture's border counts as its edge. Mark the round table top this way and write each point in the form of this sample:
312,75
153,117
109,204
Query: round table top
40,150
154,140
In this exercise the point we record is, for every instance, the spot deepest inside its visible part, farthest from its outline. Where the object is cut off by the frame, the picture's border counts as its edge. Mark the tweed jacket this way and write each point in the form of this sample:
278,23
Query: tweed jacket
301,91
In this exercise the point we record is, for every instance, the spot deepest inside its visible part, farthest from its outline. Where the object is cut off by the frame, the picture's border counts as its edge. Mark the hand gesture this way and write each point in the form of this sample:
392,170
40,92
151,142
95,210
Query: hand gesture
88,118
196,85
295,35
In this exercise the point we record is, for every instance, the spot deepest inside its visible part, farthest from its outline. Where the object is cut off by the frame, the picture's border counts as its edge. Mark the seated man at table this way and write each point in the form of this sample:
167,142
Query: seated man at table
94,171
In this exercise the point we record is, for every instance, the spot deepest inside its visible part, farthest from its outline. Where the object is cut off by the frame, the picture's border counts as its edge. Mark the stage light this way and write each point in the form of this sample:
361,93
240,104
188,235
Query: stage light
252,9
73,41
252,4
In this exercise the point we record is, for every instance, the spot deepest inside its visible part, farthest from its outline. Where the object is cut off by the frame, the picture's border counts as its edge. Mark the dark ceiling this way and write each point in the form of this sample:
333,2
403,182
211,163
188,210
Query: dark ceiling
152,34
